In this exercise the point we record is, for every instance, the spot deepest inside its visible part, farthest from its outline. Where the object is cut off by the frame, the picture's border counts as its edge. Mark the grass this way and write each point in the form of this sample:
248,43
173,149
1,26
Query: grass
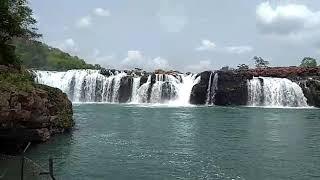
15,81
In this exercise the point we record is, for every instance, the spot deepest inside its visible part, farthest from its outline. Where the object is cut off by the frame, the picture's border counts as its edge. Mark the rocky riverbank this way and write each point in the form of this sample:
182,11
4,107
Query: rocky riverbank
30,112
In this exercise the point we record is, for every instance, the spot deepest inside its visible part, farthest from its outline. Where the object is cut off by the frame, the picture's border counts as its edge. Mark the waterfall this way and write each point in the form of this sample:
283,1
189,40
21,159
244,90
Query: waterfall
91,86
117,80
278,92
212,87
156,92
135,87
184,89
143,91
83,85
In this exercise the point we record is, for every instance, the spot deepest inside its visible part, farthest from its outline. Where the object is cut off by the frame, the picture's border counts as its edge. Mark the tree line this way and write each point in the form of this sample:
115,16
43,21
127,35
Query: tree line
261,63
18,45
37,55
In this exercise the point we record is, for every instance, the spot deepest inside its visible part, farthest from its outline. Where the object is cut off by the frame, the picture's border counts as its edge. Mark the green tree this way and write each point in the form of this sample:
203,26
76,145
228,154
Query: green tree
38,55
16,21
260,62
308,62
243,67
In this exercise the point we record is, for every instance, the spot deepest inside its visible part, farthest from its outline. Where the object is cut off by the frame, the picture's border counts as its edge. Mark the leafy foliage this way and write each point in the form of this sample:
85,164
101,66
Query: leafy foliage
308,62
38,55
260,62
16,21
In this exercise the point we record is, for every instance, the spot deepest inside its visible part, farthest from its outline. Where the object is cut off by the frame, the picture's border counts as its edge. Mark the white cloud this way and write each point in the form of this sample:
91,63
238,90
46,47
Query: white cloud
84,22
159,63
68,45
133,56
206,45
135,59
96,57
101,12
239,49
201,66
286,19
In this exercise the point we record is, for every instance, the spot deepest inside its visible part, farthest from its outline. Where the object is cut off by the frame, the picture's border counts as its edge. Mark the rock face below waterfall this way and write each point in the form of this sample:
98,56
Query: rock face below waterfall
125,89
233,87
30,113
199,91
311,90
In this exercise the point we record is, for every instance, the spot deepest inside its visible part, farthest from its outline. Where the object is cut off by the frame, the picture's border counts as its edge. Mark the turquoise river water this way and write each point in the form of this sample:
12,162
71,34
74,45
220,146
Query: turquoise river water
121,141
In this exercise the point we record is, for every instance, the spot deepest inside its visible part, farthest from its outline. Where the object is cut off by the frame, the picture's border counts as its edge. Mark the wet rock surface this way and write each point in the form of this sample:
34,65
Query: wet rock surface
125,89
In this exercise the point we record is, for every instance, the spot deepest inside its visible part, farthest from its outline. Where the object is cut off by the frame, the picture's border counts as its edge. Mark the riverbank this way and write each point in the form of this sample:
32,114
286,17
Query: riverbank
30,112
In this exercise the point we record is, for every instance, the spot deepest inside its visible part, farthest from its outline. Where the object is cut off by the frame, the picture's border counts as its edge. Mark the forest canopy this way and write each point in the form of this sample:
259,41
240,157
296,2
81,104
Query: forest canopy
37,55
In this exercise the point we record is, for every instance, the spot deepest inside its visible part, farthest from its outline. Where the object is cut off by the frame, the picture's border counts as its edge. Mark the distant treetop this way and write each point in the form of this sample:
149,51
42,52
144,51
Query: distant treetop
260,62
308,62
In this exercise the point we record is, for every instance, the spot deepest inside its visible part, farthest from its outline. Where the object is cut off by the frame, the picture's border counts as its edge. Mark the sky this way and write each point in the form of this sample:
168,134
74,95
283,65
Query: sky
184,35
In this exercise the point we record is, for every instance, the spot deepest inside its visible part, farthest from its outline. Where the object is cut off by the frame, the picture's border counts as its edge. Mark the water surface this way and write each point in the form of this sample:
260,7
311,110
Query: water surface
114,141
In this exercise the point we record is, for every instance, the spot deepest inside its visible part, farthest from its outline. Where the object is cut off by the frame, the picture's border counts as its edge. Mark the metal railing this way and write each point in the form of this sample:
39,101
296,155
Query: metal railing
23,168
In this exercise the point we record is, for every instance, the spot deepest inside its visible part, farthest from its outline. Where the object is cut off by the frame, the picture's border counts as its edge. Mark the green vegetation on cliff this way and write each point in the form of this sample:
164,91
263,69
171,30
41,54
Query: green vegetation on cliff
16,21
18,46
28,112
37,55
13,79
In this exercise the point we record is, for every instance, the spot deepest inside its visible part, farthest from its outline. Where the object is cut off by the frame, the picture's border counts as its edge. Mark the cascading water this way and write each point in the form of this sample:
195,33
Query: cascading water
83,85
184,89
135,87
156,92
91,86
278,92
212,87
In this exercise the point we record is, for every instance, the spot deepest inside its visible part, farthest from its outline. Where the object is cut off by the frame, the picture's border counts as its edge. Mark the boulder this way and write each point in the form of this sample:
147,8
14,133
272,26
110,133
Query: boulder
143,79
32,116
311,90
232,88
199,91
125,89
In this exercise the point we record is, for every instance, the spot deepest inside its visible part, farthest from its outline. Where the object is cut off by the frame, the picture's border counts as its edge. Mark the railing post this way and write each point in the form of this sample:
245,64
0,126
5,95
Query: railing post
51,168
22,166
22,160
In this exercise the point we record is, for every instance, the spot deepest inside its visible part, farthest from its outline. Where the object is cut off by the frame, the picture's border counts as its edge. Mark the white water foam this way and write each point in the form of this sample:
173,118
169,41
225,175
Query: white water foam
275,92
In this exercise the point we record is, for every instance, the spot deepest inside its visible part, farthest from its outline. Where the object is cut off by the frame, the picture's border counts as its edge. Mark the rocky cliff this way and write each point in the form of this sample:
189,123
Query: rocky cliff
30,112
233,88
